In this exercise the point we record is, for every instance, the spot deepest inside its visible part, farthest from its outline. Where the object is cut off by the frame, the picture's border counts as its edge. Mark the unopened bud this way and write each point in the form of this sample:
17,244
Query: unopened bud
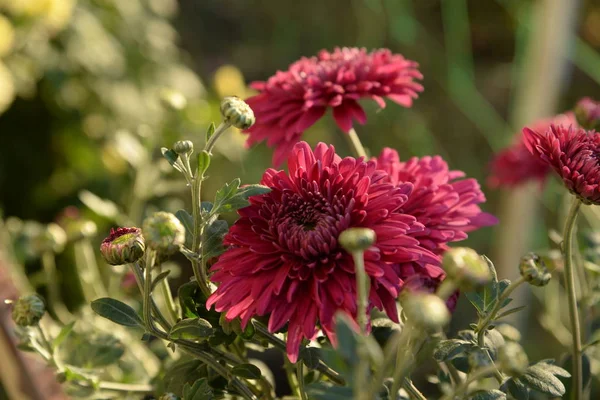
512,359
357,239
164,233
172,99
466,267
426,311
587,112
168,396
123,246
28,310
183,147
534,270
237,112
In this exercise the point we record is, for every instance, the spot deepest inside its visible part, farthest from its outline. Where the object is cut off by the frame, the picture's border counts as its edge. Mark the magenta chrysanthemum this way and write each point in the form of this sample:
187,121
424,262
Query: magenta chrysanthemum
285,259
515,165
445,204
574,154
292,101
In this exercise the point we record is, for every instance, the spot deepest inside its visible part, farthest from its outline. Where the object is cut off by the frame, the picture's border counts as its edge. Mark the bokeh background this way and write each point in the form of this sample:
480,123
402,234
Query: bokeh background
91,89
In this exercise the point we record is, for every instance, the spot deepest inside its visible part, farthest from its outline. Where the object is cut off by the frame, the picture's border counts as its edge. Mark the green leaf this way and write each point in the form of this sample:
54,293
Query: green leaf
311,357
116,311
516,388
210,131
382,330
326,391
64,333
159,278
188,222
200,390
449,349
508,312
212,245
347,343
231,197
181,373
488,395
247,371
170,155
91,350
486,297
203,163
191,328
539,378
564,375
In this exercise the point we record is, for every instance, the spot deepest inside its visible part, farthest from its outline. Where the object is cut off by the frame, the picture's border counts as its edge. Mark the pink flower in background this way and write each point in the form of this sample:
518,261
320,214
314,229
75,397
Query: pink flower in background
290,102
515,165
574,154
284,258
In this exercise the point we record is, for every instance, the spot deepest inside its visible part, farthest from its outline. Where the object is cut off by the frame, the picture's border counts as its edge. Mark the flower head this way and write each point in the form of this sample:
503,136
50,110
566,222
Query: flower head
292,101
28,310
237,112
515,165
164,233
284,257
574,154
123,246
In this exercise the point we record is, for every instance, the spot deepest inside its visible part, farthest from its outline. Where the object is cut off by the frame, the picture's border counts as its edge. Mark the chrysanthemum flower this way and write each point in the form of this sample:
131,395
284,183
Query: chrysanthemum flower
515,165
574,154
292,101
285,259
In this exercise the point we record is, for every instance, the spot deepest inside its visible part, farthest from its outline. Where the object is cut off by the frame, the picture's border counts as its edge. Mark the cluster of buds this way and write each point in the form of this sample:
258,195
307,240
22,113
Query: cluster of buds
357,239
237,112
533,268
465,267
587,112
28,310
426,311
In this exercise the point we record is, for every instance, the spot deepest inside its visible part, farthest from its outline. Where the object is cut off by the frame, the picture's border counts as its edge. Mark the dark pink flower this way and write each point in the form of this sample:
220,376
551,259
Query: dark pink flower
515,165
284,258
574,154
292,101
588,113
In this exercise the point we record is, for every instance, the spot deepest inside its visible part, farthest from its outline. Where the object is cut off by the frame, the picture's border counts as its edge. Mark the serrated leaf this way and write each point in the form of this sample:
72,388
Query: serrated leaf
231,197
488,395
539,378
191,328
325,391
564,375
311,357
203,163
116,311
91,350
210,131
247,371
485,297
188,222
200,390
64,333
516,388
212,245
449,349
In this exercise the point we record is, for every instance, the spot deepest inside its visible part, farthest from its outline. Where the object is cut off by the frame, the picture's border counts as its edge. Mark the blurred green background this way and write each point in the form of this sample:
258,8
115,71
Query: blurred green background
86,93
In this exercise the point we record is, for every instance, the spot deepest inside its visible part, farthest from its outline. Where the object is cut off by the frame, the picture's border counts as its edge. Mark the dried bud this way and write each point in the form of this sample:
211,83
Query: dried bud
512,359
426,311
235,111
123,246
183,147
357,239
466,267
587,112
168,396
172,99
28,310
534,270
164,233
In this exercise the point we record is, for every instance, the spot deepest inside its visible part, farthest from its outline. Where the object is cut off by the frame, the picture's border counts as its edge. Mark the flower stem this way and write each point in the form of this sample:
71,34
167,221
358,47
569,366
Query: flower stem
170,303
412,390
199,271
407,342
577,385
61,312
362,287
354,142
223,126
300,377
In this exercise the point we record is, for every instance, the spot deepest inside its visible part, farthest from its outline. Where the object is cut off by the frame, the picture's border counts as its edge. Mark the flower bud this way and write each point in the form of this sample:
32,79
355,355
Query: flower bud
123,246
466,267
172,99
587,112
357,239
168,396
534,270
164,233
237,112
28,310
512,359
426,311
183,147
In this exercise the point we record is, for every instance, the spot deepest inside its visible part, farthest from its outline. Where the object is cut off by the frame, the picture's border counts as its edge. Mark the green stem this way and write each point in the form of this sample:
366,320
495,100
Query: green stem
223,126
300,376
362,287
412,390
407,343
169,302
355,143
198,268
577,391
60,310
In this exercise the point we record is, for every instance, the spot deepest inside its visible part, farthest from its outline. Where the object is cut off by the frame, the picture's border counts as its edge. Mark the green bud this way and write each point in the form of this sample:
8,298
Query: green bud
467,268
183,147
512,359
426,311
164,233
357,239
168,396
123,246
237,112
172,99
534,270
28,310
